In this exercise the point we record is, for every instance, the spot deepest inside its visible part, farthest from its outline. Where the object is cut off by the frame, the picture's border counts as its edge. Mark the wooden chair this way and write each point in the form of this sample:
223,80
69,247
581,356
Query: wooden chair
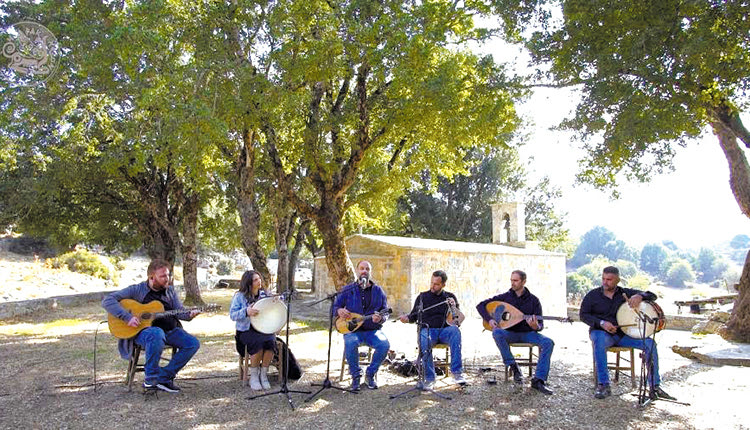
134,366
621,364
365,358
530,359
445,362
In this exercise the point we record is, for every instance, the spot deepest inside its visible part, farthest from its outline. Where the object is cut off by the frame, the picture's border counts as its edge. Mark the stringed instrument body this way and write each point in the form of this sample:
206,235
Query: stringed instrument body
355,321
507,315
146,313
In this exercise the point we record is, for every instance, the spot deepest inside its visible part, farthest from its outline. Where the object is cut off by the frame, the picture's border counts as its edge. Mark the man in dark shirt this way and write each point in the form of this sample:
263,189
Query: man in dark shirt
599,310
526,331
163,331
436,328
363,297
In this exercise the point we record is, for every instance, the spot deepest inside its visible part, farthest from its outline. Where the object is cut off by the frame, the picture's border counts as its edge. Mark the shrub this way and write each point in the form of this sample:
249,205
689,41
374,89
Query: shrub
225,267
679,272
577,283
639,282
83,261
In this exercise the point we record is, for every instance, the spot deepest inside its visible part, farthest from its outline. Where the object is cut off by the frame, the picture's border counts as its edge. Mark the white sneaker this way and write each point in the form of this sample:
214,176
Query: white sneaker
255,379
429,385
264,378
458,378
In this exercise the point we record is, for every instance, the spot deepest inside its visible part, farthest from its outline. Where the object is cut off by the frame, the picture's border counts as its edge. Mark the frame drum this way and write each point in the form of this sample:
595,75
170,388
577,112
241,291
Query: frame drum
632,325
271,317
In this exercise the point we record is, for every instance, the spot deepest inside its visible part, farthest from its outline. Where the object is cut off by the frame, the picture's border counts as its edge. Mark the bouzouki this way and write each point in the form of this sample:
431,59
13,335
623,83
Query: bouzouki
147,313
507,315
355,321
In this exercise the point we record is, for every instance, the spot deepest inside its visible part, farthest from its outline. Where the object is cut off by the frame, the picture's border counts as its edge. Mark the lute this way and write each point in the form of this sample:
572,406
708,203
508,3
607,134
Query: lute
507,315
355,321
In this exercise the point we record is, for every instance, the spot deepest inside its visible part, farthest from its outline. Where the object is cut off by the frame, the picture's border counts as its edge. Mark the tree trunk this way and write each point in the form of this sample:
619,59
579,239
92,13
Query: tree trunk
283,224
299,239
248,208
738,326
189,248
340,269
158,242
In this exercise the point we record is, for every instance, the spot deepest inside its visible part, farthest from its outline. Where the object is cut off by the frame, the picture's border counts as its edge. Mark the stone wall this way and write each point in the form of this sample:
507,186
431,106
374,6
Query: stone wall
474,272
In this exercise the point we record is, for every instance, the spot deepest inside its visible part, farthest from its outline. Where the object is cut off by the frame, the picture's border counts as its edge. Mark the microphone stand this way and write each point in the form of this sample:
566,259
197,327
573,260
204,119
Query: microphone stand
420,365
647,377
327,382
285,373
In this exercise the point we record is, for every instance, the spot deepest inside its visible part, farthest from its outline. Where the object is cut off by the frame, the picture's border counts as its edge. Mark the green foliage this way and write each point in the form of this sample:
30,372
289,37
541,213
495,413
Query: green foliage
679,272
652,74
709,266
225,267
83,261
459,209
593,270
639,282
576,283
601,242
653,257
740,241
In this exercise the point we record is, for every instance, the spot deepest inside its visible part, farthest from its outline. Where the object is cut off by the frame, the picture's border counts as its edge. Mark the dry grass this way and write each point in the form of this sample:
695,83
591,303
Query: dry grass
46,361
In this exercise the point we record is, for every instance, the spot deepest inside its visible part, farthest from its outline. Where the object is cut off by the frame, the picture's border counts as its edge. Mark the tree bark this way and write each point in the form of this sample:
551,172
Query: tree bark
728,128
329,223
189,248
738,326
248,209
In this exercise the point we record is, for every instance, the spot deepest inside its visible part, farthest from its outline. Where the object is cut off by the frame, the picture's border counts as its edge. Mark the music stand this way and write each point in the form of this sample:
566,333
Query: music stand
420,364
327,382
284,389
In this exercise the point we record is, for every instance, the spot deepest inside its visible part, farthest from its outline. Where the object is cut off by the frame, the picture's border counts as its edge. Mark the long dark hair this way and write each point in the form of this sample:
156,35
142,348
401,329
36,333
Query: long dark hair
246,284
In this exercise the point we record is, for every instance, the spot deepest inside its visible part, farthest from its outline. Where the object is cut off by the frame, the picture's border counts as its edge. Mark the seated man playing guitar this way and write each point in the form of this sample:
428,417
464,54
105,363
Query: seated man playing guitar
440,320
163,331
526,330
599,310
366,298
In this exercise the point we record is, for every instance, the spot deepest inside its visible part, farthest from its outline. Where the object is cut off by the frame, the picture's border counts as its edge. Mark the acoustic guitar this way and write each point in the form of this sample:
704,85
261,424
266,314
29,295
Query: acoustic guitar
147,313
355,321
507,315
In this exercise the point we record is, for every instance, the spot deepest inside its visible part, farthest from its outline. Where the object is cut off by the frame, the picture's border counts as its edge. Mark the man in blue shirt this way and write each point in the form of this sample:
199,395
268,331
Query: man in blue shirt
599,310
526,331
363,297
163,331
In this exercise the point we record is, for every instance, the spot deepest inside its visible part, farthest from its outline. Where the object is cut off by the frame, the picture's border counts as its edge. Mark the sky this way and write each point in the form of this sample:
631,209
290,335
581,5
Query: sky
692,206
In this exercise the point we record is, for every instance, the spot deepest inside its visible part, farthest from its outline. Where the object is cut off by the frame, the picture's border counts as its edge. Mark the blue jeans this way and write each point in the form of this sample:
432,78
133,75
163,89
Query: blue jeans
602,340
153,340
373,338
546,345
429,337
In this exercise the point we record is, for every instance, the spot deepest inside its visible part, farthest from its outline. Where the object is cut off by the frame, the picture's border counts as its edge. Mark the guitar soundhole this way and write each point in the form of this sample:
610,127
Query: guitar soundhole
146,316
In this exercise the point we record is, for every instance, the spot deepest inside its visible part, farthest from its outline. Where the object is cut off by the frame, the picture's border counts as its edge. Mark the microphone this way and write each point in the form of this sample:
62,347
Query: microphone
363,281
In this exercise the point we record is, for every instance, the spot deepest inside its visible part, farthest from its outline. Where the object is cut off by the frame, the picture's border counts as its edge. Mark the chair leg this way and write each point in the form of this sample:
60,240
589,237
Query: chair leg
632,368
132,366
343,365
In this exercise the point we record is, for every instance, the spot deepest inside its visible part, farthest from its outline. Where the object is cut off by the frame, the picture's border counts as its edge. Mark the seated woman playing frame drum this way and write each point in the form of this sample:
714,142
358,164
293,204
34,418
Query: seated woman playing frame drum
260,346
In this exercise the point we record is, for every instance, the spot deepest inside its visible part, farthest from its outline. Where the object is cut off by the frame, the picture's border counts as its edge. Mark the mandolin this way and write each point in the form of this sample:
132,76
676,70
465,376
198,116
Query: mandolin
147,313
355,321
507,315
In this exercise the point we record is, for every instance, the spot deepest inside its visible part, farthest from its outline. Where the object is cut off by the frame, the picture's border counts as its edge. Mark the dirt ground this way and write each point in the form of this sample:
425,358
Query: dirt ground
47,363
